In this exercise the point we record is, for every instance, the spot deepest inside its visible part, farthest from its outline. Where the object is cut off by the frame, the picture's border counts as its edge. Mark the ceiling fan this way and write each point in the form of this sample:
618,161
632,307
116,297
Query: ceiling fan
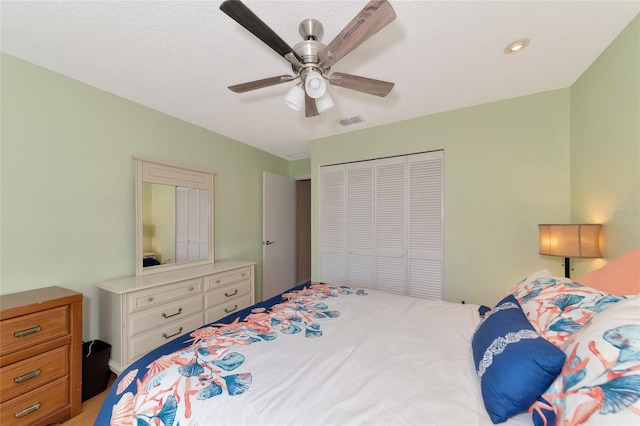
311,60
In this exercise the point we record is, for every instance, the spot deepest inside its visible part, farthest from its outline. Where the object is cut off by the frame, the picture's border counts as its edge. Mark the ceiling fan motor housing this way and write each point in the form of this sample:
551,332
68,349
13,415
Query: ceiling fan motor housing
309,50
311,29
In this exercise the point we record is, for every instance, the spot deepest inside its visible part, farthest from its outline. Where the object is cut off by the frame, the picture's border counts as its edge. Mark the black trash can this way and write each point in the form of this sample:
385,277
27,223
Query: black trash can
95,367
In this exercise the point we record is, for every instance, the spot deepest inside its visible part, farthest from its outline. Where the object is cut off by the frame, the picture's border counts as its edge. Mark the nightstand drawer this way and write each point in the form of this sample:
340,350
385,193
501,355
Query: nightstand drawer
158,316
220,280
227,308
35,405
140,345
29,330
31,373
148,298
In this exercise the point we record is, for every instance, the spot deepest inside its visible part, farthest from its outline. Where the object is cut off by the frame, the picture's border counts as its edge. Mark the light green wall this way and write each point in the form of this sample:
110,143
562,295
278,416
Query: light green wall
506,170
68,182
605,147
299,168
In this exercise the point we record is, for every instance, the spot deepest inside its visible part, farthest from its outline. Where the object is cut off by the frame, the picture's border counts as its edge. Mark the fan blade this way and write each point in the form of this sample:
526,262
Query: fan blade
245,17
310,109
361,84
259,84
371,19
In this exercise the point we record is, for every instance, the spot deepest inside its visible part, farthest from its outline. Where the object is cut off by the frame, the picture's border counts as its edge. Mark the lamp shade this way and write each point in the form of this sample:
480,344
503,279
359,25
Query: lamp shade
324,102
581,240
314,84
295,98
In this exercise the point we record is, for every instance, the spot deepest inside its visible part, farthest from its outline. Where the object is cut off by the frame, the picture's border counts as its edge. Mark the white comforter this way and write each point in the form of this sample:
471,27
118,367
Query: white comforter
384,360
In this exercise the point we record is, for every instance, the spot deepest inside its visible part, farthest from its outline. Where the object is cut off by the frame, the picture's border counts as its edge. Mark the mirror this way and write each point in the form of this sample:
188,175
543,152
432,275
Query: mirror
174,212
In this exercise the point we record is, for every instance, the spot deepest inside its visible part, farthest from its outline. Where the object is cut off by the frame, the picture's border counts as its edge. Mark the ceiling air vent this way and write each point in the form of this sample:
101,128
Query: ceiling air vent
349,121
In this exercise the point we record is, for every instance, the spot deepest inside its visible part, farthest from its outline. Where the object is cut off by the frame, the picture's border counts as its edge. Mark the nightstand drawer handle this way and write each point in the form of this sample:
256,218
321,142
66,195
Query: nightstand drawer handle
172,315
229,311
27,410
171,335
25,377
28,331
232,294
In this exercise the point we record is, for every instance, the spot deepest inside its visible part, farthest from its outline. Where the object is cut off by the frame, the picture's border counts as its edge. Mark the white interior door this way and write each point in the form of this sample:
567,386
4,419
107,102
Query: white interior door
278,234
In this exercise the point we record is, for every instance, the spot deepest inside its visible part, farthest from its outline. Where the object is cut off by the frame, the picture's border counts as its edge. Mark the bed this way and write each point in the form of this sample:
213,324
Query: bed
336,355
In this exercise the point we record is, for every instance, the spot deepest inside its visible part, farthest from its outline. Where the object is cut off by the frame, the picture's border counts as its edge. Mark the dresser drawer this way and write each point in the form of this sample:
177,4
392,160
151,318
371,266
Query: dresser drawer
23,376
145,299
220,311
228,293
144,343
220,280
29,330
160,315
35,405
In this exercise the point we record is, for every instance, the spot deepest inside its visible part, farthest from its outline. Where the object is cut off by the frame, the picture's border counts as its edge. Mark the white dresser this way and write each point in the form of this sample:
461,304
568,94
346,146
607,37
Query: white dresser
138,314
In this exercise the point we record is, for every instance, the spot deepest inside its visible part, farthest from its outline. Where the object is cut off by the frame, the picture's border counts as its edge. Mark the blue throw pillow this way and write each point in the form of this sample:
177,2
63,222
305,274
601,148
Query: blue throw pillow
514,363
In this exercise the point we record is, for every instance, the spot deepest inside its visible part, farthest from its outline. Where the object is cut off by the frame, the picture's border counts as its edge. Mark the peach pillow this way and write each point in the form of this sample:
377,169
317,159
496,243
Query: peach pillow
620,276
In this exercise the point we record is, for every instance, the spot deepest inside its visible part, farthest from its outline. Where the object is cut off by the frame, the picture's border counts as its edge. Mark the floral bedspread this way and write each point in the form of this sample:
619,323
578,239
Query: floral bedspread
210,365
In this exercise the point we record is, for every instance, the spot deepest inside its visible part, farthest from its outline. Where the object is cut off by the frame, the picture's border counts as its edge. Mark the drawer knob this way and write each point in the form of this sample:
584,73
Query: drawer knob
232,294
244,274
190,288
172,315
27,410
171,335
217,281
25,377
231,310
150,299
28,331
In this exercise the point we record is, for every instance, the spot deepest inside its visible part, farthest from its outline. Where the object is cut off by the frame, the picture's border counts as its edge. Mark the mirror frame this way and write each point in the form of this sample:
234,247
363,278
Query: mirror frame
162,172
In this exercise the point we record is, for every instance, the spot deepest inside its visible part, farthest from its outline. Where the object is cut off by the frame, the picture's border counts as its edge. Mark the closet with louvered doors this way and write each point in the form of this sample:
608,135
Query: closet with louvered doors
381,224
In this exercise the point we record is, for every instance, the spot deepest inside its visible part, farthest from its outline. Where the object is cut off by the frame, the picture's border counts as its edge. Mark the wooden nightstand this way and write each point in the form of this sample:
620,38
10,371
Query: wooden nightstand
40,356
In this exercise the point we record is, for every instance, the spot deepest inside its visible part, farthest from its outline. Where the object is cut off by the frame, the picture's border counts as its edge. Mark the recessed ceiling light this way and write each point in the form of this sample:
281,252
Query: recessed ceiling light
516,46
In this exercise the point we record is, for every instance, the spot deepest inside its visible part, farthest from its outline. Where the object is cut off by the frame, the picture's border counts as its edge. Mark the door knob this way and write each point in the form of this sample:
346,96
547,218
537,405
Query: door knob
268,243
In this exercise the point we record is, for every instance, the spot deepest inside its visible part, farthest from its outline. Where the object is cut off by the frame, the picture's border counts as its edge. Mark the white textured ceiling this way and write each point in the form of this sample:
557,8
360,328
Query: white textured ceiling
178,57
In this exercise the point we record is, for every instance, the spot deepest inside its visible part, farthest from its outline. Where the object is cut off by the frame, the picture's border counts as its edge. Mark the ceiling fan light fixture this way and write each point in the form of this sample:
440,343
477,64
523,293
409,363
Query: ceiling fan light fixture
324,102
295,98
315,85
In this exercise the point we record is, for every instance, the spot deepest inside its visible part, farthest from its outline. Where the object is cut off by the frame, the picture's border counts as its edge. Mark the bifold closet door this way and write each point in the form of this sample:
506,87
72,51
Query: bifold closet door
192,229
360,224
390,225
425,236
381,224
332,224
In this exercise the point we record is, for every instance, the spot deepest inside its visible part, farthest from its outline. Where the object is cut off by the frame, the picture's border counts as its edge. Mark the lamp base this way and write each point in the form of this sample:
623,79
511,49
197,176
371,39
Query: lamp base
567,268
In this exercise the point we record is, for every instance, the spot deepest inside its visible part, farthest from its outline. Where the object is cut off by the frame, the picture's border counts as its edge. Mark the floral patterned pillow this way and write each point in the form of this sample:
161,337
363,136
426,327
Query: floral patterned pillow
558,307
600,381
